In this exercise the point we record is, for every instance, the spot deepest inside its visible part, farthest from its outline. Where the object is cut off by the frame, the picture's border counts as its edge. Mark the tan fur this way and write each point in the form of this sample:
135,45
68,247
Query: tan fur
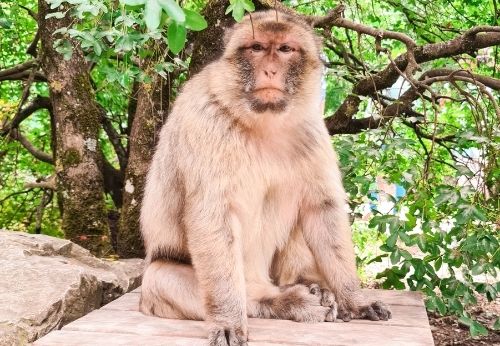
239,201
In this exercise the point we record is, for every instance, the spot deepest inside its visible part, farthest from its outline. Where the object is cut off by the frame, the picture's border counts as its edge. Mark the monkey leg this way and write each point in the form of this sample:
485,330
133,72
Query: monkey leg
298,302
295,265
170,290
326,231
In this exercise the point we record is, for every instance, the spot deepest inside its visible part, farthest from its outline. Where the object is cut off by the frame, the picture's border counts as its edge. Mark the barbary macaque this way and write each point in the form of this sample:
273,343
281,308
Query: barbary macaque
244,210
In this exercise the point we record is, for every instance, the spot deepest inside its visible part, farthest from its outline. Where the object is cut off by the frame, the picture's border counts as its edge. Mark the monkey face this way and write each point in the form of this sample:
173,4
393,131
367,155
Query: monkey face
272,58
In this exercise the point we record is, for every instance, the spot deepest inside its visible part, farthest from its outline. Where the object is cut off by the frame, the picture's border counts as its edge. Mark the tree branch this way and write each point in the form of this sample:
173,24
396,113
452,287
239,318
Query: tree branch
32,13
40,155
49,183
493,83
24,75
420,133
18,68
32,48
40,102
469,42
115,140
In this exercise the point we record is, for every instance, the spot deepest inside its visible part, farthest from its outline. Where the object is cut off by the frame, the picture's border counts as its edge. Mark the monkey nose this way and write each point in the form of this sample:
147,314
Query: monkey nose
270,73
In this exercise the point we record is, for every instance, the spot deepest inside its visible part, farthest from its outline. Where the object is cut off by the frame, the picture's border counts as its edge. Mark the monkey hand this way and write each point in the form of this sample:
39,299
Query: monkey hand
375,311
303,303
227,336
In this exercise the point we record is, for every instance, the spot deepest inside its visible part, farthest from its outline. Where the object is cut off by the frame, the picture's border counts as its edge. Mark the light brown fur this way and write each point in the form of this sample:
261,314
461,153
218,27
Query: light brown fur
244,206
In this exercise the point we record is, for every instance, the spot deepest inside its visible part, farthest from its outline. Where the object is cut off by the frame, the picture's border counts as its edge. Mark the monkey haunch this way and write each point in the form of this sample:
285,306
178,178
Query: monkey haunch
243,212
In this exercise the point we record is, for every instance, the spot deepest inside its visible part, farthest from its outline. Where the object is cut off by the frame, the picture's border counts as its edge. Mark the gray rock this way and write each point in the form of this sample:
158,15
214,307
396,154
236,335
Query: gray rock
47,282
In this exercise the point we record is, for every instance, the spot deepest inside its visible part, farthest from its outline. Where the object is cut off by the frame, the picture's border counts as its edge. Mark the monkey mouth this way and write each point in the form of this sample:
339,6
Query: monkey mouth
267,88
272,90
260,106
268,94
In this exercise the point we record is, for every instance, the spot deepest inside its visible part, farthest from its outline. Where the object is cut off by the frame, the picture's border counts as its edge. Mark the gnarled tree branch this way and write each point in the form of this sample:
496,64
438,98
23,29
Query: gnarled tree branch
37,153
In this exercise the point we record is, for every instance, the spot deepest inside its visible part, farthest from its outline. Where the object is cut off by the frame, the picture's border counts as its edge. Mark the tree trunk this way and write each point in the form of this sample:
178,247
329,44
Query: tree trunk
151,112
76,116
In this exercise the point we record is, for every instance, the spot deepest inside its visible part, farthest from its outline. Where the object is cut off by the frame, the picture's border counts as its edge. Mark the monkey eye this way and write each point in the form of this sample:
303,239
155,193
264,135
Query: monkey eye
286,48
256,47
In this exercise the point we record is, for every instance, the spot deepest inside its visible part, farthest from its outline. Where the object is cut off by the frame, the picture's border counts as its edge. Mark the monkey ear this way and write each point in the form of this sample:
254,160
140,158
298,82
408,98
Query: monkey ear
309,20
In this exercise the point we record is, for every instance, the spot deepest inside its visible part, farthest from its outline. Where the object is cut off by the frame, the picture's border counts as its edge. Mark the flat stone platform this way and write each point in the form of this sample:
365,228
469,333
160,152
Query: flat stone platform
120,323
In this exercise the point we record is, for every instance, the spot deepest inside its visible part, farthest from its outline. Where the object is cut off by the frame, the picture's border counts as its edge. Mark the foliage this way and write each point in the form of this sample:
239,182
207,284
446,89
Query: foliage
440,237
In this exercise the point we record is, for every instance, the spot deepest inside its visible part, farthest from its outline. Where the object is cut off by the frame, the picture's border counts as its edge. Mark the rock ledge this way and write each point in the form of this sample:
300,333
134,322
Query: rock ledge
47,282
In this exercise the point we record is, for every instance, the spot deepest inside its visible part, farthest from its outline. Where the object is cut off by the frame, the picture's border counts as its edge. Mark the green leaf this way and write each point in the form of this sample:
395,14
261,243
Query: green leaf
406,255
248,5
133,2
441,306
97,48
381,220
54,3
173,10
229,9
65,48
456,305
385,248
391,241
466,320
195,21
238,10
395,256
496,325
479,214
477,329
421,242
176,37
430,303
438,263
5,23
377,259
464,170
404,237
491,293
125,43
478,269
446,195
152,14
57,15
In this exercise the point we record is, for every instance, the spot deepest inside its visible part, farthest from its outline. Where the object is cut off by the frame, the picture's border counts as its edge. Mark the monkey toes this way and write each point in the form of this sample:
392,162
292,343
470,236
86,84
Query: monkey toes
226,336
376,311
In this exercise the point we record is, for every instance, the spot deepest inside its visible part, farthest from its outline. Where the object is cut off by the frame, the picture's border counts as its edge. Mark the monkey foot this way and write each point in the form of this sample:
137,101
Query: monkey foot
376,311
226,336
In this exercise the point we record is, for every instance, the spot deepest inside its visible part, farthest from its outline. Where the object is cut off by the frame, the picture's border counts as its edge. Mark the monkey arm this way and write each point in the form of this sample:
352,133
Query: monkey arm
326,229
215,248
211,225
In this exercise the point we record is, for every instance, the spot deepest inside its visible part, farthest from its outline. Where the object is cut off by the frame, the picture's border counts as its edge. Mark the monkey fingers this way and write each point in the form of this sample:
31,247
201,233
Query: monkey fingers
376,311
382,310
220,336
327,300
